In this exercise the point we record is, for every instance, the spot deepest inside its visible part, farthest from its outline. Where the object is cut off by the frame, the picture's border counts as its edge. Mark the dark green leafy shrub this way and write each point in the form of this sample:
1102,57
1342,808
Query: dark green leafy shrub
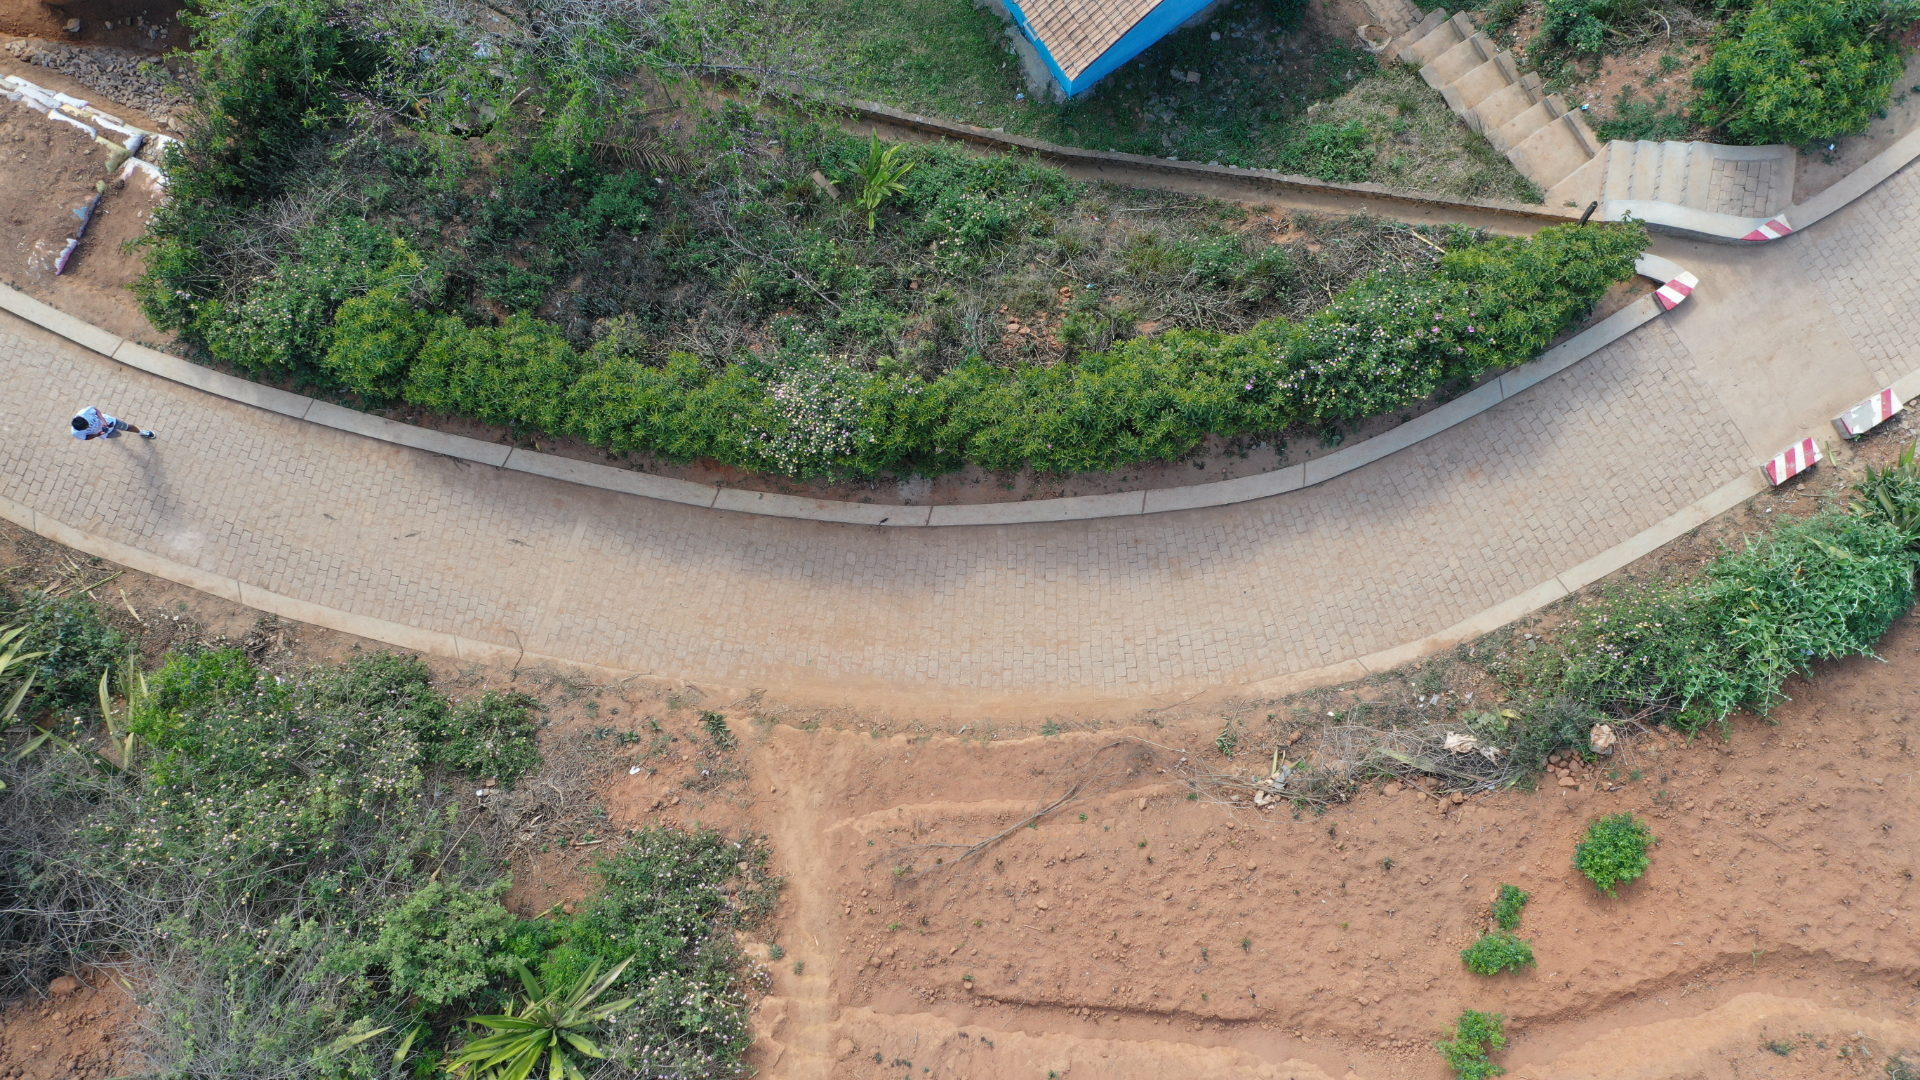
439,946
284,322
1337,153
263,86
1475,1036
1614,851
374,338
1802,71
493,736
1571,26
1821,588
1507,907
78,646
1496,952
665,904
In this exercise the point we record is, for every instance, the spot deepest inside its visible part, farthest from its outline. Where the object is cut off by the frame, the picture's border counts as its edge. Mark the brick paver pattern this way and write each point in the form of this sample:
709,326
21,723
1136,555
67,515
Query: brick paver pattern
1115,608
1747,188
1869,277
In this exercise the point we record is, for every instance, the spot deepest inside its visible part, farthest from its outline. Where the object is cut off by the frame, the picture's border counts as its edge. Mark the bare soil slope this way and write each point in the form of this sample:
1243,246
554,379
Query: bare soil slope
1167,937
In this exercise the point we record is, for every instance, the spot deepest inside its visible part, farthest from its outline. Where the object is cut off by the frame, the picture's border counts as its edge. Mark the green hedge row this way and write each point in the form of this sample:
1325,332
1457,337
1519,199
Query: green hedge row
1387,342
1692,652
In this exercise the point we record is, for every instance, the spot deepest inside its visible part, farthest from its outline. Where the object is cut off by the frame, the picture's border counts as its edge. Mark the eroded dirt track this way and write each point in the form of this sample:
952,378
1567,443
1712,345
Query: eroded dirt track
1135,932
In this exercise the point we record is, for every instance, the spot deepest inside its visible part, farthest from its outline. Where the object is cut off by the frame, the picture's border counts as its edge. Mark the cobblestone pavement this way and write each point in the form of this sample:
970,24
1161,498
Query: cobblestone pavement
1869,279
1164,604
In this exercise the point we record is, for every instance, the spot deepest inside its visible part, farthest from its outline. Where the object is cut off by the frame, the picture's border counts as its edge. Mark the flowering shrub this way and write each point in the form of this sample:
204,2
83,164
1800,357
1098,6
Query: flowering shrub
812,416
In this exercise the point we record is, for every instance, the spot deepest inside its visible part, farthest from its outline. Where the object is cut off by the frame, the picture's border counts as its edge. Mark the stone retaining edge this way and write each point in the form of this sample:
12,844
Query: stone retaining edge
888,515
1269,178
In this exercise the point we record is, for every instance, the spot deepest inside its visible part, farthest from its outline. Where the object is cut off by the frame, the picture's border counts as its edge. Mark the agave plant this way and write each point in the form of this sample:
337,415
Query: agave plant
548,1023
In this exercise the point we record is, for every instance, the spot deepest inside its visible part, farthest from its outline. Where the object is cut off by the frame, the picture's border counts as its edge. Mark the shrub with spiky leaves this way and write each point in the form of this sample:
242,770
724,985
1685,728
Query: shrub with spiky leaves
549,1023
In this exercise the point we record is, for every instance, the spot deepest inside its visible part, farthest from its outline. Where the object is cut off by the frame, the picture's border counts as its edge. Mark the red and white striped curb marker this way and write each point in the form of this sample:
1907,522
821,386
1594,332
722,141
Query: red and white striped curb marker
1676,290
1868,415
1772,230
1791,462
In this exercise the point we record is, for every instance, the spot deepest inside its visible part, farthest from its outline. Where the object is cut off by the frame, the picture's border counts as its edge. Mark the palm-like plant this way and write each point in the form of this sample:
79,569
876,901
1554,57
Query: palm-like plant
1892,494
547,1024
11,661
881,176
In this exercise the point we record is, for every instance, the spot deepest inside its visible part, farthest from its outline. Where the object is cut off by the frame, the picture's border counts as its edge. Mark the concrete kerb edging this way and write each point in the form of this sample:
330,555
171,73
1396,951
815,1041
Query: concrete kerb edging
1268,178
469,650
770,504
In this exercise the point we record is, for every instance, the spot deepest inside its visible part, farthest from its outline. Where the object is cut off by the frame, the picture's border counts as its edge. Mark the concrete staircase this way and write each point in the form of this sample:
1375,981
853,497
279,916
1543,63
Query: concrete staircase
1695,186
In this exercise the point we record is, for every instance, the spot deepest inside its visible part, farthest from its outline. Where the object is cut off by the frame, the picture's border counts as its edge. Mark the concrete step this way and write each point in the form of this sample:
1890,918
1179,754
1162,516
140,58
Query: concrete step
1457,61
1645,178
1619,169
1675,173
1475,86
1582,186
1503,105
1552,153
1440,39
1523,125
1427,25
1395,17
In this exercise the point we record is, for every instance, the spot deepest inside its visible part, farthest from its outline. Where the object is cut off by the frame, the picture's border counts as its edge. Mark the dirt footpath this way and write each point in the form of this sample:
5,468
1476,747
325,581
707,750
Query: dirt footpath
1135,932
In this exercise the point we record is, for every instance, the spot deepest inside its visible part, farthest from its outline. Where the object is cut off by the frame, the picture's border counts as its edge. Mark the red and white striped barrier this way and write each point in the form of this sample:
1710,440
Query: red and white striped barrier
1676,290
1772,230
1868,415
1791,462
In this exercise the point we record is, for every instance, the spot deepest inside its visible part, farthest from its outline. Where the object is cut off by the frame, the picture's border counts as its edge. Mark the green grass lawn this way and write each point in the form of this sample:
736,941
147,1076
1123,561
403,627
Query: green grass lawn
1259,74
950,59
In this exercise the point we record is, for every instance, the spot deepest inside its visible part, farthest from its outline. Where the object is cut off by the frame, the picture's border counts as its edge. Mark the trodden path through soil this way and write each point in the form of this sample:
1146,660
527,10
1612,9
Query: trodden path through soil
1778,338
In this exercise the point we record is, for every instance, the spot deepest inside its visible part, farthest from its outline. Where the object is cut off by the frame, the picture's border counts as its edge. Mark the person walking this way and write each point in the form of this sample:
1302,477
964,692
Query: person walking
91,423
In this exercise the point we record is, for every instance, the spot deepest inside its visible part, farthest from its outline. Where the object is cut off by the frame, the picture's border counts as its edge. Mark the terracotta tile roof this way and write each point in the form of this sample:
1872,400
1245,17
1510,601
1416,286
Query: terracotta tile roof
1076,32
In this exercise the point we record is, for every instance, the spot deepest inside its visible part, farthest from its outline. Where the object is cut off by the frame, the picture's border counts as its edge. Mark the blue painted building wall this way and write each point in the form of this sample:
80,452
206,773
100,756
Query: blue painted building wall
1164,19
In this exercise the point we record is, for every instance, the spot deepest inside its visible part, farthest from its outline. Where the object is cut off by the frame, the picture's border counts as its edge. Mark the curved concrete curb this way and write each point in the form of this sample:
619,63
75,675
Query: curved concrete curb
440,643
770,504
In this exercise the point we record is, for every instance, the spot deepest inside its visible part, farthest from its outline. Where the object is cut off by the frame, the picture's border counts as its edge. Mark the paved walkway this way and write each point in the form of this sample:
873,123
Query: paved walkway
1778,338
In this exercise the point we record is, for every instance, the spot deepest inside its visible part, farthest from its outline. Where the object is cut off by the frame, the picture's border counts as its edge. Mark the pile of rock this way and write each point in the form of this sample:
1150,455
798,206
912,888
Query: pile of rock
121,75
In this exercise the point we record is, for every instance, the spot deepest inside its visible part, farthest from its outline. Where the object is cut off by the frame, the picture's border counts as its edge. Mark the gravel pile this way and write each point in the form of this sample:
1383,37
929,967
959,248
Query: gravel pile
124,76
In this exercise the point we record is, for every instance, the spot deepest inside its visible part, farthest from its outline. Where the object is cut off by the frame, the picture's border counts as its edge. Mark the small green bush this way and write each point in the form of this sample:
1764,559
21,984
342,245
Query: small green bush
1802,71
1507,907
1614,851
78,646
1475,1036
1337,153
374,338
440,945
493,736
1496,952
